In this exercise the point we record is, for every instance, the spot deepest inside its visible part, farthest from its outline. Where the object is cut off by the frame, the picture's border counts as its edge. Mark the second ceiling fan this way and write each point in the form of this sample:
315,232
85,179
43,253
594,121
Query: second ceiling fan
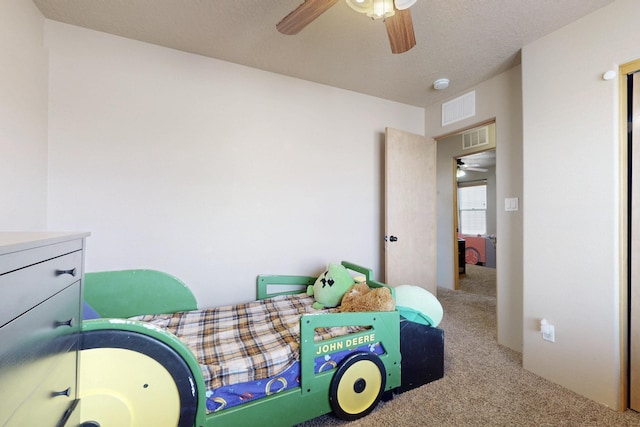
396,15
470,166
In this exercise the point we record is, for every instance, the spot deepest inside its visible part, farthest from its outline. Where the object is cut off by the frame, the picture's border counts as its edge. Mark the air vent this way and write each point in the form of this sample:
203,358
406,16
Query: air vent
475,138
459,108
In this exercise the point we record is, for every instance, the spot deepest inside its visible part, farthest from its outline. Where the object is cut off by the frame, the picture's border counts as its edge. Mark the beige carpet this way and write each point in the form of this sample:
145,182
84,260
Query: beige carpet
484,383
478,280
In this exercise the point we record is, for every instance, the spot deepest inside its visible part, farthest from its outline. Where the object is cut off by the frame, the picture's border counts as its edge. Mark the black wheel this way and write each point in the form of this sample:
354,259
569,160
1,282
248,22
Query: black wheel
357,386
128,379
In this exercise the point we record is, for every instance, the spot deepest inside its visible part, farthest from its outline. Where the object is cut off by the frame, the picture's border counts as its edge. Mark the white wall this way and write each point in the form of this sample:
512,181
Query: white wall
571,172
498,98
23,117
211,171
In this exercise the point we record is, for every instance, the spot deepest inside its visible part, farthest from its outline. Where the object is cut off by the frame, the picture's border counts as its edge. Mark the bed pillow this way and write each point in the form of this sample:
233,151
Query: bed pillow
418,305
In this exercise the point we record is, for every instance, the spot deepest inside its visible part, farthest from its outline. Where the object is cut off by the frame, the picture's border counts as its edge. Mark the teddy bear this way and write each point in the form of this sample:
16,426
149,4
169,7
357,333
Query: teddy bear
361,298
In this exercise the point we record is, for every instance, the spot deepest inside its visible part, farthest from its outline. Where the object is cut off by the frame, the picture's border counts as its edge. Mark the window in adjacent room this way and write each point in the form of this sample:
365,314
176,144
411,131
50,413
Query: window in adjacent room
472,200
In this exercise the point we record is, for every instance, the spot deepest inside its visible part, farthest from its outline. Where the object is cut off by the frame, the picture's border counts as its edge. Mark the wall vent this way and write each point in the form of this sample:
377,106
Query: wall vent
459,108
475,138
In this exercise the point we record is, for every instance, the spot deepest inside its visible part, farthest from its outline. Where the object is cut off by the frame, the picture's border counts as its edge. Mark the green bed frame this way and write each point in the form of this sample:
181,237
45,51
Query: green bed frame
122,294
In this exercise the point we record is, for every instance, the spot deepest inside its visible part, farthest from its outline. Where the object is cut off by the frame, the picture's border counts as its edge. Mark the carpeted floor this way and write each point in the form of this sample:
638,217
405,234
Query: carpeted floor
484,383
478,280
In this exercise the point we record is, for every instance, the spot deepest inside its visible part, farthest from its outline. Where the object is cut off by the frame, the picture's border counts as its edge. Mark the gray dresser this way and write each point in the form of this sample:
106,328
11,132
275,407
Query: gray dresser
40,316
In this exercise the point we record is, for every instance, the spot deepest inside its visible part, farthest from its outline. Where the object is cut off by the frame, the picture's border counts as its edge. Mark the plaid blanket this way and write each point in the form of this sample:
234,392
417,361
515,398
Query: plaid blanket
245,342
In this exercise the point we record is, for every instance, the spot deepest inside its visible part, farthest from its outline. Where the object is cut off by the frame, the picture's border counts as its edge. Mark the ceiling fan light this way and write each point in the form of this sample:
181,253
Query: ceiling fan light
404,4
375,9
381,9
360,6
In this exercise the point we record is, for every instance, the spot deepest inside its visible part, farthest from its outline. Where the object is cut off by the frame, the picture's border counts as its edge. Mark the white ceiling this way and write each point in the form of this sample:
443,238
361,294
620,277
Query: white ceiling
467,41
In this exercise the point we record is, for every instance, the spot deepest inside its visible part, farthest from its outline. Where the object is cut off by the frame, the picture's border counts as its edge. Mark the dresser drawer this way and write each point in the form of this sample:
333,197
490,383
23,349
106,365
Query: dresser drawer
47,404
22,255
35,345
22,289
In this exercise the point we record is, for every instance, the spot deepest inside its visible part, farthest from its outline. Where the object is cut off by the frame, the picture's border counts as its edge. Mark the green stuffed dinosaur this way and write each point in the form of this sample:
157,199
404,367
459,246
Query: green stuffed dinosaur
330,287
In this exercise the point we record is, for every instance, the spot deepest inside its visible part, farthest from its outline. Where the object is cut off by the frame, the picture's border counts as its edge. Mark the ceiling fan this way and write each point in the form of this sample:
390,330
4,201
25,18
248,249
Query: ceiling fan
396,15
470,167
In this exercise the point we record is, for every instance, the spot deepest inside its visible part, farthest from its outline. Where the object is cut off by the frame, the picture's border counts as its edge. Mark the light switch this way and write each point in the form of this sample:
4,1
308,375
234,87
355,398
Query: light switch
511,204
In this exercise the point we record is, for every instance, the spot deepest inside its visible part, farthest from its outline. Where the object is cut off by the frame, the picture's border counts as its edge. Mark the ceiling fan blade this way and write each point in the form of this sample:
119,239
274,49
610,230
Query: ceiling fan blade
400,31
303,15
477,169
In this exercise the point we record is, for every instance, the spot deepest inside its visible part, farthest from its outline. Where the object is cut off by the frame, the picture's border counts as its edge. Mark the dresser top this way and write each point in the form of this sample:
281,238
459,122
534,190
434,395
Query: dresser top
18,241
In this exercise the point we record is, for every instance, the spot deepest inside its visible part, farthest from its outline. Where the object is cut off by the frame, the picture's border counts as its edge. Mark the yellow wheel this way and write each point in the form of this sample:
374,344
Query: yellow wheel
357,386
129,379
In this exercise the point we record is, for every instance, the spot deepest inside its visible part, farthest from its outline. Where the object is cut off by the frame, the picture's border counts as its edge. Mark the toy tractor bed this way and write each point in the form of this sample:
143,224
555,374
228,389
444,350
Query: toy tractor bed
150,357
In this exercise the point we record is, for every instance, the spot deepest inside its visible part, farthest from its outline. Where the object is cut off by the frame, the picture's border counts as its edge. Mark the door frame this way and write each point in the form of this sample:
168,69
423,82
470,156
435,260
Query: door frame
456,227
625,237
456,211
438,139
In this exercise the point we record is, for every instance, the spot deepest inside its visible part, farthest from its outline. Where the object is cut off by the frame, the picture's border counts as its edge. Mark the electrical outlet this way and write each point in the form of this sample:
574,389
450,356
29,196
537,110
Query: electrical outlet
549,333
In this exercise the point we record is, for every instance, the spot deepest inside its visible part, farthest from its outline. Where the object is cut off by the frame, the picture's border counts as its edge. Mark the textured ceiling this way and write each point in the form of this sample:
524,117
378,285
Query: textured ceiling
467,41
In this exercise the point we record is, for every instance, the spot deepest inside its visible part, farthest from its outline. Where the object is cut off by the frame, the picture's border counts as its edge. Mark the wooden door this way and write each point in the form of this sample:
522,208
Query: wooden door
634,319
410,210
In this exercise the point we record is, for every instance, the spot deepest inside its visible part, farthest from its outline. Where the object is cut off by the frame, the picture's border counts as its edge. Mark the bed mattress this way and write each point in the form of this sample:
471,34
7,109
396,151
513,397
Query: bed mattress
251,350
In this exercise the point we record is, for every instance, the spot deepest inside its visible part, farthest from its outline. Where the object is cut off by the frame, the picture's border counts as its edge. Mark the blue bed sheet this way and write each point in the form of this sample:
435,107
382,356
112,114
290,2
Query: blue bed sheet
237,394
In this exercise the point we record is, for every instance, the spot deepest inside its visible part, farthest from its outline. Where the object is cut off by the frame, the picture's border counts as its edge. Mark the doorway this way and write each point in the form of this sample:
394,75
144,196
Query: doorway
463,142
475,225
631,75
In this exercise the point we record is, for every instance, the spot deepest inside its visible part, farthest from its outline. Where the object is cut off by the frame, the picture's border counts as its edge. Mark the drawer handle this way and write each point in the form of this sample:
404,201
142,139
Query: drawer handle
66,392
71,272
68,323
